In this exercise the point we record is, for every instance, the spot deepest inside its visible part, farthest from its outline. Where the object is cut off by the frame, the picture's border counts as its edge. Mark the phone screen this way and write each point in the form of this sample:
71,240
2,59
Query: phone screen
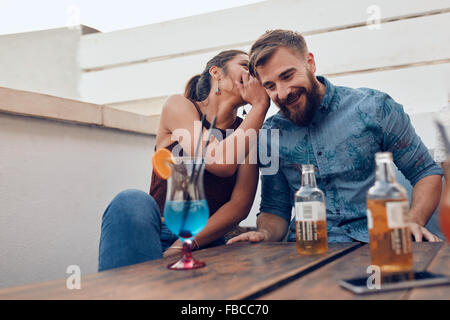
395,281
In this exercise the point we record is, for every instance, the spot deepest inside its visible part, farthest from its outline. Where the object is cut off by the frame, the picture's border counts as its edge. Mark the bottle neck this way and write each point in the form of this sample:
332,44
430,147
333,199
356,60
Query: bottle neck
309,179
446,168
385,172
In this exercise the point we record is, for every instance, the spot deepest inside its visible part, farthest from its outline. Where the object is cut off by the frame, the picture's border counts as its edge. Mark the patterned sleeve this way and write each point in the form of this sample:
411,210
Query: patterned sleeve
275,196
399,137
440,154
275,191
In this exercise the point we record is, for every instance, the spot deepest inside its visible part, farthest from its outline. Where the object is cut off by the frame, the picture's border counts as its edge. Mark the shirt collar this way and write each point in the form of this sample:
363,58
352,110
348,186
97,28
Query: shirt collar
330,90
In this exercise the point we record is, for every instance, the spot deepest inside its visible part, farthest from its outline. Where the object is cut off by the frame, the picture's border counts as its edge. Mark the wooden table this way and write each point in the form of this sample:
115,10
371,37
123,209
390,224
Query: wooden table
245,271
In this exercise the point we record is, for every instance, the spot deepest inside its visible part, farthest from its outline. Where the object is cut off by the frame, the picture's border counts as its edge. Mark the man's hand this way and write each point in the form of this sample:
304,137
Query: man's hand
252,236
269,227
420,232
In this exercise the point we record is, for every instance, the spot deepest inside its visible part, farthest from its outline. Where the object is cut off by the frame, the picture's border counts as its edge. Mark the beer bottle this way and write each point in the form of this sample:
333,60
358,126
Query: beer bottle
444,207
310,215
387,218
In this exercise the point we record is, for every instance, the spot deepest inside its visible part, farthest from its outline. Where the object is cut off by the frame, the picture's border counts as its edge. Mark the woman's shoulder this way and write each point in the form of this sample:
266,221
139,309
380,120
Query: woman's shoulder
176,103
176,100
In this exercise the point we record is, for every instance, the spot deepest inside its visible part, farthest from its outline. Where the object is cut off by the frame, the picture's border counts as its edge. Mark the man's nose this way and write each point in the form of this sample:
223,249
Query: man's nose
283,92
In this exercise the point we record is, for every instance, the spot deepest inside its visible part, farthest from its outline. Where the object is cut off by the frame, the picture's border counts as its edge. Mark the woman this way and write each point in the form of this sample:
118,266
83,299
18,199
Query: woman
132,230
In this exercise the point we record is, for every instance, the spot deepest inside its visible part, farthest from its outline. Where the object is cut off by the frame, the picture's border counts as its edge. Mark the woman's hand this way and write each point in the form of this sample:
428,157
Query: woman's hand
174,249
253,92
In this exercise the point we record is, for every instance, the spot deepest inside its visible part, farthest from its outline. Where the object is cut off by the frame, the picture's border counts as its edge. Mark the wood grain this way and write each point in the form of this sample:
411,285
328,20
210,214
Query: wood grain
235,271
440,265
324,282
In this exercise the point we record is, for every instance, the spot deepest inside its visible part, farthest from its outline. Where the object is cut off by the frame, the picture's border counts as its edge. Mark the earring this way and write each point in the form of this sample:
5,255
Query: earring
218,90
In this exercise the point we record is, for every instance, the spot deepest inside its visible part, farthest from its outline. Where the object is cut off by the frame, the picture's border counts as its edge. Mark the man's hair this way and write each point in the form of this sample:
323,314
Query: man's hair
266,45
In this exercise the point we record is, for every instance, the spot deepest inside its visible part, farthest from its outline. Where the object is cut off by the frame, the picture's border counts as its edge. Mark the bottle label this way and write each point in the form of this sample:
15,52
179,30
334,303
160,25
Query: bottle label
397,214
369,219
310,211
401,242
307,230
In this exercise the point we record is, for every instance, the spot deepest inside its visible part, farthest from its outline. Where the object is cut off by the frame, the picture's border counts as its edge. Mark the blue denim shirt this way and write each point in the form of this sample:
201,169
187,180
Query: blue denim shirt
349,127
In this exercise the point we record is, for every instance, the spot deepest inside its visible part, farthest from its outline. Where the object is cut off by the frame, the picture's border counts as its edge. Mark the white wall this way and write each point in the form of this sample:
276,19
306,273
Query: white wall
56,179
42,61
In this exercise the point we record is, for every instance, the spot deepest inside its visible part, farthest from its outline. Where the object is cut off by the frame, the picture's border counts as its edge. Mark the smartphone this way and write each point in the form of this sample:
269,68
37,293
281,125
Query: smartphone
392,282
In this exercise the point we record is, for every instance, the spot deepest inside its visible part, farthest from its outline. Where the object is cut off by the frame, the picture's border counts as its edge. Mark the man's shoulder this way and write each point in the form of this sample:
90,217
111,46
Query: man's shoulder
274,121
365,99
362,93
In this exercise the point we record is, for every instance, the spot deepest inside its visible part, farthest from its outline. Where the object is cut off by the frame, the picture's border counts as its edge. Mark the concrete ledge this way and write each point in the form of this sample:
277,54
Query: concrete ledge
50,107
148,106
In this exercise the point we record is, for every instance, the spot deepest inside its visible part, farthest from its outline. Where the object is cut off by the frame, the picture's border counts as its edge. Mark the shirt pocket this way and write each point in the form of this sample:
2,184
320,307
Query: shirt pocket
355,156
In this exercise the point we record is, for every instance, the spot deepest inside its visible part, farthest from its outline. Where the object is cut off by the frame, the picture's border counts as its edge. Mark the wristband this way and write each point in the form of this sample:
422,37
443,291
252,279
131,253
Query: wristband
195,245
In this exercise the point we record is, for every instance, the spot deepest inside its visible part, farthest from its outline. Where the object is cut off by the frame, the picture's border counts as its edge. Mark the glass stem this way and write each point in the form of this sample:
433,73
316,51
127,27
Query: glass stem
187,249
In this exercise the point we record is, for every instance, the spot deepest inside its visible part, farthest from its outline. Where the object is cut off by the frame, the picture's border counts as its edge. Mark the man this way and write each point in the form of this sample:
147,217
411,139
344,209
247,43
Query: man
440,152
339,130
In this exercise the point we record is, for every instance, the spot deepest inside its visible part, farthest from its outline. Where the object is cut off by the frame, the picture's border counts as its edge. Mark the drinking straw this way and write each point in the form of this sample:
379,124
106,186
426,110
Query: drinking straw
197,148
204,150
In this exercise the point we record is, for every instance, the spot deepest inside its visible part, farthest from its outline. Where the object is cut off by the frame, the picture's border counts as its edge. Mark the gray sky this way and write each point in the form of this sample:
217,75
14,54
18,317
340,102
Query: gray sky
104,15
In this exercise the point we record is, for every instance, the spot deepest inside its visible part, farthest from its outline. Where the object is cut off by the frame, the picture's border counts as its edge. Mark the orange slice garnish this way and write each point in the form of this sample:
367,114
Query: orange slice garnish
161,160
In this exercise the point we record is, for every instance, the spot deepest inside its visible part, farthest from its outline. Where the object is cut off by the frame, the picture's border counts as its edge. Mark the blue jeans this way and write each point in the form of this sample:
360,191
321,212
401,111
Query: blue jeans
132,231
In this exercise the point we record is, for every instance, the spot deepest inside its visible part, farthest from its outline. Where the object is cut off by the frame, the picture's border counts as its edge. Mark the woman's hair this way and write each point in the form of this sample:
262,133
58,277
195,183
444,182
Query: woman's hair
199,86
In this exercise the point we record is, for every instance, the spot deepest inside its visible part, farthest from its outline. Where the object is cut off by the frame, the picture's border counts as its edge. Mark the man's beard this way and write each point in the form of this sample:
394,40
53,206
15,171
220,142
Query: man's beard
301,117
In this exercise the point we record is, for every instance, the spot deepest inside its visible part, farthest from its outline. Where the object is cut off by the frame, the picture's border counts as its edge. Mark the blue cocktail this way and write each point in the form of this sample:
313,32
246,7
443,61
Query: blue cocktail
194,213
186,211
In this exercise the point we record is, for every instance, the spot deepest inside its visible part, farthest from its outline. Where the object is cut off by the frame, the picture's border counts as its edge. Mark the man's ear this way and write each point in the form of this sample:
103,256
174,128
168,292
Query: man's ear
215,72
310,62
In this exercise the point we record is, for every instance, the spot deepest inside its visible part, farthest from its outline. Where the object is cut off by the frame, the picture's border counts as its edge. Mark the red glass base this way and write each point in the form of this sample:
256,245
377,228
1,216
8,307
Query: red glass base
187,262
184,264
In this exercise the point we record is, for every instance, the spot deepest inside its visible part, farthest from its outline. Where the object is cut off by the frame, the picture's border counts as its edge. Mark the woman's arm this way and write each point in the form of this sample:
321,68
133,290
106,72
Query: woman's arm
231,213
180,121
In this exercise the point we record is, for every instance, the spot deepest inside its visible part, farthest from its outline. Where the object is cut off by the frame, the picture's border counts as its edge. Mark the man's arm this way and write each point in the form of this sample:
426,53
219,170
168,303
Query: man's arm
425,198
415,162
270,227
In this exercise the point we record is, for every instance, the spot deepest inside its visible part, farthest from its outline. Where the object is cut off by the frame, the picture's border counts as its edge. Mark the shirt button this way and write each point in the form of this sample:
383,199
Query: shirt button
319,153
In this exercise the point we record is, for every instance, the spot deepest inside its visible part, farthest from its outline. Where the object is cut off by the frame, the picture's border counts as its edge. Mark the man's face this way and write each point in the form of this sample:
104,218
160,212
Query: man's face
291,84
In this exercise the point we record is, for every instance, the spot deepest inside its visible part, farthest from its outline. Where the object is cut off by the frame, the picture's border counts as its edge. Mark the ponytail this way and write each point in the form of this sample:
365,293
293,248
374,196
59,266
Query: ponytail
191,88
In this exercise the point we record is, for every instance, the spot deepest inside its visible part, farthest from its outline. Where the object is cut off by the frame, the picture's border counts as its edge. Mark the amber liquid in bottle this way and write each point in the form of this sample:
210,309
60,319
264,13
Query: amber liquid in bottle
444,209
311,237
387,213
310,215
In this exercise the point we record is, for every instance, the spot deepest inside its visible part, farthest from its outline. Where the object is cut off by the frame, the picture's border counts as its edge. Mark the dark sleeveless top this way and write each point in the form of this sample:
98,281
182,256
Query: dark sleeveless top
217,189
